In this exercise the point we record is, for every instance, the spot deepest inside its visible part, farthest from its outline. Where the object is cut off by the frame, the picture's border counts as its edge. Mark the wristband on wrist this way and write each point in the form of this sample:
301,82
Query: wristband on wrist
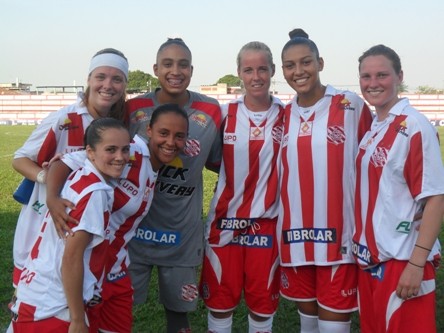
422,247
41,177
416,265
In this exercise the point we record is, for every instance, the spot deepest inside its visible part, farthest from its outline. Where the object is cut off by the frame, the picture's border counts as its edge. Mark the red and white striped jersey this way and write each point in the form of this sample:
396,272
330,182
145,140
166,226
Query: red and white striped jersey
60,132
247,188
398,165
40,292
317,175
133,195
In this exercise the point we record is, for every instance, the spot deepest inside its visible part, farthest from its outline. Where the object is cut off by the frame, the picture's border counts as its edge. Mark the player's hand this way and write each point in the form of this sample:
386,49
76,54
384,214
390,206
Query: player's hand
57,208
55,158
78,327
410,282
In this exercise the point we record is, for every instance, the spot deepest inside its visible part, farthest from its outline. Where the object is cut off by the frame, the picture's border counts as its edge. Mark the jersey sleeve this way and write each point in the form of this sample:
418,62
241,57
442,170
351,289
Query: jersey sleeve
423,169
92,212
75,160
41,144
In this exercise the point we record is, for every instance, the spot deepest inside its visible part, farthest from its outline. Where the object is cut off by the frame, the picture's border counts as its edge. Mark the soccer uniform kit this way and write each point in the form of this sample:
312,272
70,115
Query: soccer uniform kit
171,235
60,132
41,300
398,165
241,252
133,195
315,222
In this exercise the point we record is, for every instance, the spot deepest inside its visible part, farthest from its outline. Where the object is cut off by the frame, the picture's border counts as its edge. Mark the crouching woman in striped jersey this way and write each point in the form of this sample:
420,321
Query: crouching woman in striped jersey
61,275
133,195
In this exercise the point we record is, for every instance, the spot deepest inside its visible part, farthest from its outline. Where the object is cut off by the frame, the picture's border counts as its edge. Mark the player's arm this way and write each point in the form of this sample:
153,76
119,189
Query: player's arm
38,148
411,278
28,168
72,278
214,159
57,175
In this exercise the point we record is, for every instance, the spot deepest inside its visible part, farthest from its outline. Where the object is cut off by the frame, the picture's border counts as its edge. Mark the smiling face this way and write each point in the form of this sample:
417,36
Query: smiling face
379,83
301,70
256,71
167,138
111,153
174,70
106,86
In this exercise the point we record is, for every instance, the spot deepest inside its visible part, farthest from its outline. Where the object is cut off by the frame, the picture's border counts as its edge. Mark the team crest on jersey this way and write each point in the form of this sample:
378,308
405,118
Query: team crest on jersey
401,129
200,119
379,157
277,133
189,292
336,135
192,148
305,128
257,133
67,125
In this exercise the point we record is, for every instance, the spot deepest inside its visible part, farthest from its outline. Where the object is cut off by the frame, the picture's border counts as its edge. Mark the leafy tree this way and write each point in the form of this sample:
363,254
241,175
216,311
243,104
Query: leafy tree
403,88
230,80
139,81
426,90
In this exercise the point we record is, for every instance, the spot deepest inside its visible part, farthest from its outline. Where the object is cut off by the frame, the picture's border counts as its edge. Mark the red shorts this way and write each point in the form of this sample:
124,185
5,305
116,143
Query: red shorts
381,311
49,325
114,313
243,266
333,287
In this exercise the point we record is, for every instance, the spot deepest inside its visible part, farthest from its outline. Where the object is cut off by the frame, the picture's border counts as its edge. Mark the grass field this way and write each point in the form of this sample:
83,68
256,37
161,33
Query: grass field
149,317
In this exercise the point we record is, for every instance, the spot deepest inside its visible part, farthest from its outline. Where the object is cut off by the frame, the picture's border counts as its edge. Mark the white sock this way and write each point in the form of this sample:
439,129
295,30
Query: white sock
309,324
260,326
219,325
334,326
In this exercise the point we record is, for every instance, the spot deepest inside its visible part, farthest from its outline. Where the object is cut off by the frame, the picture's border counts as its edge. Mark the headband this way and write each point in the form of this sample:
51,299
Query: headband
111,60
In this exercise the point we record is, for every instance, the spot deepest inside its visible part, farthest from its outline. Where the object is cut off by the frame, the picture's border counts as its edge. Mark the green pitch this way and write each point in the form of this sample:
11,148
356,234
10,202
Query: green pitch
148,317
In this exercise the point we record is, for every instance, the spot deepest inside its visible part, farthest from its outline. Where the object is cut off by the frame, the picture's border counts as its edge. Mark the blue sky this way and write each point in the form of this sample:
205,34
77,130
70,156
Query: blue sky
50,42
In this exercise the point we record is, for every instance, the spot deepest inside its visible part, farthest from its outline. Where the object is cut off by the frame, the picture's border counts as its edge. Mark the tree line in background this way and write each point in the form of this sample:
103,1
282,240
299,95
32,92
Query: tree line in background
139,81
